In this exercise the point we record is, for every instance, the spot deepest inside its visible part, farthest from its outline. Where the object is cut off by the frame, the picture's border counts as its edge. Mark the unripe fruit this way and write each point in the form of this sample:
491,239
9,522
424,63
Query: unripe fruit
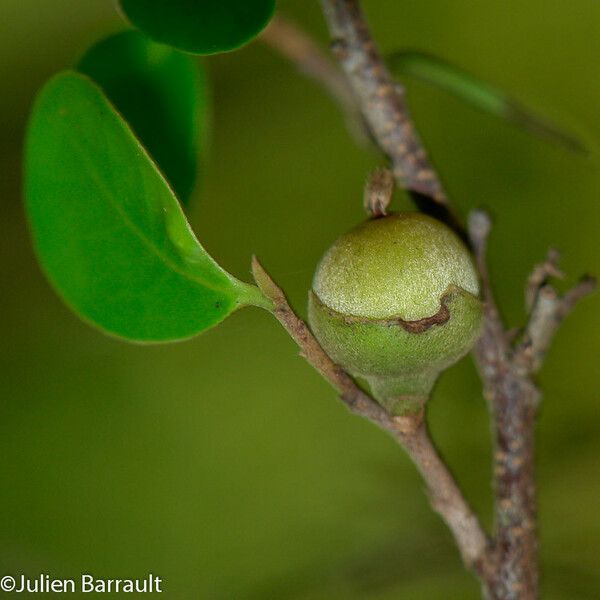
395,301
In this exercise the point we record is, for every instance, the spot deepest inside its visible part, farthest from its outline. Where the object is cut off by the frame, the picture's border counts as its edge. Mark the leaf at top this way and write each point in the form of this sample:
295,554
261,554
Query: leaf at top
480,94
200,26
108,230
163,96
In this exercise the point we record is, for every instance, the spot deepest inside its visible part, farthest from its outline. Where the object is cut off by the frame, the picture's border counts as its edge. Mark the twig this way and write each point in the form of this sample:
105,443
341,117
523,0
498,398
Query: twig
585,287
479,227
293,43
512,399
548,311
492,349
410,433
381,99
540,274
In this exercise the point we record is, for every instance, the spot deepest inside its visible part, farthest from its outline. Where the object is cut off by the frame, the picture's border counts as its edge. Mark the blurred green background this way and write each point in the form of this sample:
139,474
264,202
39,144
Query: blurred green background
225,465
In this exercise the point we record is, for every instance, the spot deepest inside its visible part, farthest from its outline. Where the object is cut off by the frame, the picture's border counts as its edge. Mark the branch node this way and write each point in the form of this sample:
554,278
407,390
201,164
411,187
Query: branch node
409,424
548,311
378,192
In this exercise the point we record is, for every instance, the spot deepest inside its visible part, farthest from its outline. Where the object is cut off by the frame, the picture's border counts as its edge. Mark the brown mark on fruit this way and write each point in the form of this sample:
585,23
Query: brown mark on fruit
419,326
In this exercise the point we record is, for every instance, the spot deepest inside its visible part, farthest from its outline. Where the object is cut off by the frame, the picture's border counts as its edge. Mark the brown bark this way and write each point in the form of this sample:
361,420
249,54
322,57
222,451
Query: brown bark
381,98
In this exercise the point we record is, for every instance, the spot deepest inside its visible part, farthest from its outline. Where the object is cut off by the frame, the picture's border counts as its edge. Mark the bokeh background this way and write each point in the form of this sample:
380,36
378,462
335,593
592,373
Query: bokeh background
225,465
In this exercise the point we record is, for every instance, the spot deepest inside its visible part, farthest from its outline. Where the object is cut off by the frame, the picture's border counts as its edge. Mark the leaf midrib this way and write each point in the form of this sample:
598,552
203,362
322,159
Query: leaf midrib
97,177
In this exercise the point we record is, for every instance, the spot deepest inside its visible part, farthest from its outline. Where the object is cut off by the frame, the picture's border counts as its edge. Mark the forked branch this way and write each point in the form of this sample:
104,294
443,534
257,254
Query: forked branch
513,397
507,566
548,309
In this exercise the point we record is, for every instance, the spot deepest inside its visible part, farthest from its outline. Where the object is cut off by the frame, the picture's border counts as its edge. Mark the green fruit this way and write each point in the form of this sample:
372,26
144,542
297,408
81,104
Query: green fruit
395,302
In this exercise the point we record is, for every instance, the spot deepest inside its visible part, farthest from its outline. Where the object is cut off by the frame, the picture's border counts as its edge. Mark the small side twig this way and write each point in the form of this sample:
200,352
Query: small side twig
411,434
513,398
540,274
493,347
585,287
548,309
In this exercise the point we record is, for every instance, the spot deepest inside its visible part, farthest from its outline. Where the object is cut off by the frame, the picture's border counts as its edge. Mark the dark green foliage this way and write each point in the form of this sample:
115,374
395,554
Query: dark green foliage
162,94
200,26
107,228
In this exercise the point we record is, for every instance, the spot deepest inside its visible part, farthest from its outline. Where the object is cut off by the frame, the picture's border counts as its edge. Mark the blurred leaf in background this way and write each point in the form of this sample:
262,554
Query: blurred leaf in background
200,26
162,94
225,465
478,93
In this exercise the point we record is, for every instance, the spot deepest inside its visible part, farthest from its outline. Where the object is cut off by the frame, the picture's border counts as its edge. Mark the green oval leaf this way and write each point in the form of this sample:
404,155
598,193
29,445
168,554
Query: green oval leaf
200,26
480,94
163,96
109,232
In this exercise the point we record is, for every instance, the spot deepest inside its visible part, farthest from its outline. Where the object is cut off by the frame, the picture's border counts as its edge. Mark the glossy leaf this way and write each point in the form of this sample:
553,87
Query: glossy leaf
200,26
478,93
163,96
108,230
